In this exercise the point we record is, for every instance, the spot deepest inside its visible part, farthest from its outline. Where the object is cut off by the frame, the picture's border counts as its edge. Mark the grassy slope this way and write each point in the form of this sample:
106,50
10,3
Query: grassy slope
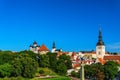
47,71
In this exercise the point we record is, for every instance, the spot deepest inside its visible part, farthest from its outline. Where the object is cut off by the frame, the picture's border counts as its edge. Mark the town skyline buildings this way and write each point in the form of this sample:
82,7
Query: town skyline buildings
72,24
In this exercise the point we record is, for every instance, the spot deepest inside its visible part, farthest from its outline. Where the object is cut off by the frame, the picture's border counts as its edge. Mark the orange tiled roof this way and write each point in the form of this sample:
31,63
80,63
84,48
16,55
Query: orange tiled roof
101,60
76,65
61,53
43,48
112,57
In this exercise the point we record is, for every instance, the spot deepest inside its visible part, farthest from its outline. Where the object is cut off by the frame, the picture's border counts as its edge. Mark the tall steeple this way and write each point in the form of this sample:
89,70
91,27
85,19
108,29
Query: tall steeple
100,35
100,47
100,42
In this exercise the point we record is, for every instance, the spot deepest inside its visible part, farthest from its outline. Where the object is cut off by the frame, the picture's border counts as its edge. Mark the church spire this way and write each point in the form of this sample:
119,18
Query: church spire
100,42
100,35
53,45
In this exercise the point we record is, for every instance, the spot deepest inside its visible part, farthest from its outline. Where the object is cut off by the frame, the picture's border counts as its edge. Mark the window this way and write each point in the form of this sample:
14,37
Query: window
99,53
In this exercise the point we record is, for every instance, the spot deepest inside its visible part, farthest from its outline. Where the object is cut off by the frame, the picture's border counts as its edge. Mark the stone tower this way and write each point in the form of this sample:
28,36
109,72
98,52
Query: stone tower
100,47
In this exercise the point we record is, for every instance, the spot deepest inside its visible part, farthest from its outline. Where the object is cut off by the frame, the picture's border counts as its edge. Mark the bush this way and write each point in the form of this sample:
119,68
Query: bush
6,70
41,72
74,74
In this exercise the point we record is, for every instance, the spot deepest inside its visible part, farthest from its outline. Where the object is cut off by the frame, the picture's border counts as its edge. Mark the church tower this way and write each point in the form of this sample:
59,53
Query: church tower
53,47
100,47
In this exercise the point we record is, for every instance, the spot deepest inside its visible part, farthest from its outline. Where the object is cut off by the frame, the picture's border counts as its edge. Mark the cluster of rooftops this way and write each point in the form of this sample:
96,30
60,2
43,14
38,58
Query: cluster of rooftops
74,56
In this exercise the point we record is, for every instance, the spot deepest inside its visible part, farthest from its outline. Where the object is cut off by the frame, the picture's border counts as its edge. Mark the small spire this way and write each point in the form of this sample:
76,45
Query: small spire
53,45
34,42
31,46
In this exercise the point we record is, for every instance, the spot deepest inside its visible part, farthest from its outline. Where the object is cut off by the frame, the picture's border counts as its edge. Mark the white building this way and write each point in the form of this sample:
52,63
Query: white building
34,47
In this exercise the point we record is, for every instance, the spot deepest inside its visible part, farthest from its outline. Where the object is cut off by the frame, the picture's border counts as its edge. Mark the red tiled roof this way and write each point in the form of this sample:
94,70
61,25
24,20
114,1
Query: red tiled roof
43,48
112,57
76,65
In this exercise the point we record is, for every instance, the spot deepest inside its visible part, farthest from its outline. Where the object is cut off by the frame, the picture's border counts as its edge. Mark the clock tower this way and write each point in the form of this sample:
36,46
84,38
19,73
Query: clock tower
100,47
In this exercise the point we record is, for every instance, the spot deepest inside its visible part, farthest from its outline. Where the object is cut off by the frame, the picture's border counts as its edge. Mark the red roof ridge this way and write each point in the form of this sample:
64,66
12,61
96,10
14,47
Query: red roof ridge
112,57
43,48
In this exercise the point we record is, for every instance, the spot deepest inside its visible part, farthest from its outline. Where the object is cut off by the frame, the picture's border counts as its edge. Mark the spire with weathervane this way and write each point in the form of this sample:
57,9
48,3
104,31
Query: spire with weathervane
100,41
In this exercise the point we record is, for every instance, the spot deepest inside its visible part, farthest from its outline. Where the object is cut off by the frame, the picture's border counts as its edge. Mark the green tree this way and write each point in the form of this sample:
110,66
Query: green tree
94,71
110,70
7,57
89,72
61,69
44,61
52,60
69,64
66,60
17,67
6,70
30,54
24,66
115,53
99,70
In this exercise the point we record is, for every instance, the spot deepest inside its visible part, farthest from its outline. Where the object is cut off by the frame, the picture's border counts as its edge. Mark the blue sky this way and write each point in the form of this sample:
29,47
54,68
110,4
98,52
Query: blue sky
72,24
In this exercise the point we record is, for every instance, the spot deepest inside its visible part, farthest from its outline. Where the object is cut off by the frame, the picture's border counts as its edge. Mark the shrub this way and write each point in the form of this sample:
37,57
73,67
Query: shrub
6,70
41,72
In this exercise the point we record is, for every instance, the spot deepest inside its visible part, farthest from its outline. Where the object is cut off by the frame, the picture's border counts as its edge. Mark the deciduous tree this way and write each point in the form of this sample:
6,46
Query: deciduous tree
110,70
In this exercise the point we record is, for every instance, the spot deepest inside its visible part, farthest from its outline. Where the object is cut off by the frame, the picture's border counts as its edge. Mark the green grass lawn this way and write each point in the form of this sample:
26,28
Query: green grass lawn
58,78
20,78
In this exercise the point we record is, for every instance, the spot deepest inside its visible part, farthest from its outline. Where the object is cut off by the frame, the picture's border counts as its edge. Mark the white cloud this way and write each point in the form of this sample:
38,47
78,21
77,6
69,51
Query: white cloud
114,46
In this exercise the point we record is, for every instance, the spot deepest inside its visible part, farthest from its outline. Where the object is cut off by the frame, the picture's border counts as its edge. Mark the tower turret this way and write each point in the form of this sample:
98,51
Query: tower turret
35,44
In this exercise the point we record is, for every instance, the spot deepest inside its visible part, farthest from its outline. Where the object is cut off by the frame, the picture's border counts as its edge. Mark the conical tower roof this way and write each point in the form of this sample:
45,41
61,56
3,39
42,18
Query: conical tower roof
100,41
